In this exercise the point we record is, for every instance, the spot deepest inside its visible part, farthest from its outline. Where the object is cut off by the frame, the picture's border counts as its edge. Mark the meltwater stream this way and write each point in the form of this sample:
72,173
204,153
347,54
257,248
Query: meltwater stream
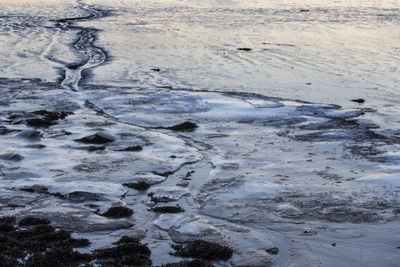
166,132
84,45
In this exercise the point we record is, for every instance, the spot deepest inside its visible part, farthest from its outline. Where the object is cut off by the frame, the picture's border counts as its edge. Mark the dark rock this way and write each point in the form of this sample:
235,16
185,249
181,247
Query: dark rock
168,209
40,189
128,252
35,189
132,148
201,249
11,156
117,212
97,138
188,175
38,146
193,263
274,251
244,49
163,174
333,244
82,196
27,221
30,134
186,126
38,122
156,70
50,115
4,130
96,148
359,100
304,10
141,186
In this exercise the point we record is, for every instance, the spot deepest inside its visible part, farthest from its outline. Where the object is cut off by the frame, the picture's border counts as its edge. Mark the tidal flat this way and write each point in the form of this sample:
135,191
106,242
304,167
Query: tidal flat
199,133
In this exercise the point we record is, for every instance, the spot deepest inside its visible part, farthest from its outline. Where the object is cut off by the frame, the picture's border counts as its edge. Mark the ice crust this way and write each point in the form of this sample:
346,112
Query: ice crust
274,161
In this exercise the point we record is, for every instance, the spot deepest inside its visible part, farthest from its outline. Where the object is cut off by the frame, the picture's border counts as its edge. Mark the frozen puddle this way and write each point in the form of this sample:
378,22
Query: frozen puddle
256,173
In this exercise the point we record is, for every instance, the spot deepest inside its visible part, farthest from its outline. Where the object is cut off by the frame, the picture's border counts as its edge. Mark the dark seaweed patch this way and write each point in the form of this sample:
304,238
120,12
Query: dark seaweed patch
273,251
117,212
97,138
132,148
127,252
168,209
39,245
201,249
185,126
141,186
33,221
193,263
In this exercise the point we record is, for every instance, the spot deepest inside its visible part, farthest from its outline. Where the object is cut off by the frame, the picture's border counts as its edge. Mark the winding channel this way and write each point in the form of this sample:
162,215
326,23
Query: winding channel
93,55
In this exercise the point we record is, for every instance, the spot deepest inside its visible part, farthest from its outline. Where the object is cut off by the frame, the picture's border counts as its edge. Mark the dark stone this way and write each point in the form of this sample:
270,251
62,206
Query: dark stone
244,49
30,134
35,189
51,115
186,126
274,251
96,148
38,146
163,174
97,138
37,122
168,209
200,249
304,10
333,244
11,156
117,212
4,130
127,252
132,148
156,70
141,186
82,196
359,100
33,221
40,189
193,263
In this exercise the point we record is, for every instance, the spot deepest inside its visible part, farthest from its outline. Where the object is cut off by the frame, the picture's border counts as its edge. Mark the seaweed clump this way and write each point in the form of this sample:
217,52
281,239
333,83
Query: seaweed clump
128,251
200,249
38,244
193,263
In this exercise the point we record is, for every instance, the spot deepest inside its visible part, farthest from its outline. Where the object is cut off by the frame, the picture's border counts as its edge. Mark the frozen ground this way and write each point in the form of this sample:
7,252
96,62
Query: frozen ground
281,157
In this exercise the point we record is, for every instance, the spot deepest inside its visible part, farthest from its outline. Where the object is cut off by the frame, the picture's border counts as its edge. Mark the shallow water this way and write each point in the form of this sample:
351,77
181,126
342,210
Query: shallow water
281,157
